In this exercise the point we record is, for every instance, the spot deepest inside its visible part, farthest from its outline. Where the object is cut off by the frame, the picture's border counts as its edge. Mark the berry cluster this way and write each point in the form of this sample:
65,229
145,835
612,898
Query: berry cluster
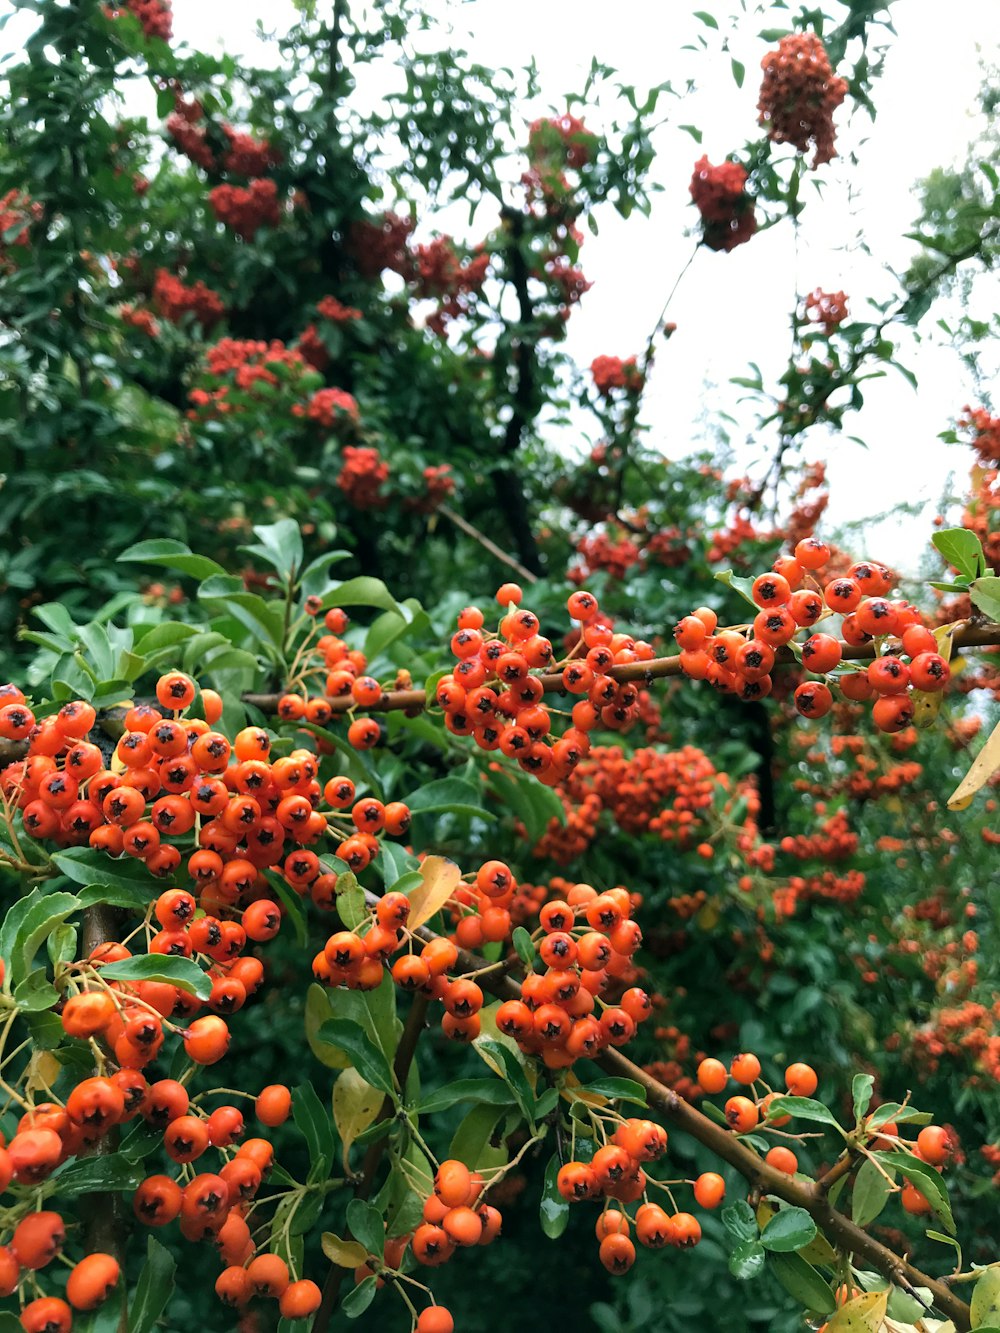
17,213
361,478
247,156
727,211
443,275
330,408
826,308
154,15
382,244
611,372
799,95
175,299
493,696
739,661
246,209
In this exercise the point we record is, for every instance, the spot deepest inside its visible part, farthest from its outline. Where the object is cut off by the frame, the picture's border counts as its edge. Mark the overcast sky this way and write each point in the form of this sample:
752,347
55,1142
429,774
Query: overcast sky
732,309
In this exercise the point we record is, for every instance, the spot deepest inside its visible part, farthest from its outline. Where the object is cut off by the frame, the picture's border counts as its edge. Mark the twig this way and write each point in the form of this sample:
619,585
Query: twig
465,526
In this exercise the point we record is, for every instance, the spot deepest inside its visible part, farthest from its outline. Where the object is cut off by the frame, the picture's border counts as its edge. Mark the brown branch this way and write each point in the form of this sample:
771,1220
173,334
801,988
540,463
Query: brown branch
465,526
415,1022
761,1177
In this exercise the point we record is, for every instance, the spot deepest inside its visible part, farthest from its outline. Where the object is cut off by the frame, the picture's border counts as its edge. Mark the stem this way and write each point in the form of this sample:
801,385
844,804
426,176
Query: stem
464,526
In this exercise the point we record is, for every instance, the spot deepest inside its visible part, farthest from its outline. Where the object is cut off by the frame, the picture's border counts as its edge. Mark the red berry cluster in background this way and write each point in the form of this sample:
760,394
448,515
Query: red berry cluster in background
362,476
173,299
727,211
382,244
246,209
799,95
17,213
154,15
739,661
493,696
247,156
826,308
611,372
451,279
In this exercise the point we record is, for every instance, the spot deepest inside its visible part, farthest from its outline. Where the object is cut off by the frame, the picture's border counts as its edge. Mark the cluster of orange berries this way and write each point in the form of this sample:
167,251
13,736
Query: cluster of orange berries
36,1240
740,661
616,1172
826,308
492,695
456,1216
799,95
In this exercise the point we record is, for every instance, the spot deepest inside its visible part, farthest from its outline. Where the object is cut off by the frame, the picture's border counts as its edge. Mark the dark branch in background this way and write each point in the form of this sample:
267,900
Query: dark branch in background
523,405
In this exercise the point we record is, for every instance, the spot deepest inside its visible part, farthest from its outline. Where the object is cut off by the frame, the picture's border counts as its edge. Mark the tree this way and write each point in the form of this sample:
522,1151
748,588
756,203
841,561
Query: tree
233,339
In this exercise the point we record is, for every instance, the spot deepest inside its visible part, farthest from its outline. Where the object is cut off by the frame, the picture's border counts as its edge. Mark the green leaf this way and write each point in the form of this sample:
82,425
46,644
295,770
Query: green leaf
125,883
524,947
985,592
747,1260
738,584
314,1122
739,71
708,19
359,1298
861,1091
553,1211
740,1221
41,919
870,1194
363,591
263,619
535,805
293,905
790,1229
89,1175
366,1057
184,973
482,1090
366,1225
449,794
171,554
503,1061
925,1179
617,1090
985,1304
803,1282
803,1108
153,1289
280,545
35,992
962,549
471,1142
895,1111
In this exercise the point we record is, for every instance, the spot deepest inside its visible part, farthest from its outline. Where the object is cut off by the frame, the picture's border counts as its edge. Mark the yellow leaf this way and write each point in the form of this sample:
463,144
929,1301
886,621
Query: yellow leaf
819,1251
317,1012
925,708
862,1315
985,764
343,1253
43,1070
441,879
574,1091
708,916
355,1106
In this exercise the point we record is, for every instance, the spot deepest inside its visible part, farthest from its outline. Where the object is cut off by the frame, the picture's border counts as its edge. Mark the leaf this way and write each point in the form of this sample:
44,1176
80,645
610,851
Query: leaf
449,794
553,1211
355,1106
171,554
618,1089
524,947
739,584
739,71
862,1315
153,1289
89,1175
985,592
708,19
280,545
312,1120
471,1141
861,1091
366,1057
363,591
804,1108
42,918
788,1230
35,992
870,1193
927,1181
895,1111
440,880
343,1253
506,1064
739,1221
803,1282
366,1225
184,973
962,549
125,883
481,1090
262,619
985,1304
747,1260
358,1300
316,1014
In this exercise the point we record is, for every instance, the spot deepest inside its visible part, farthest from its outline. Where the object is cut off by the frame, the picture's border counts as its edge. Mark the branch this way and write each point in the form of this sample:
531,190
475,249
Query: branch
465,526
759,1175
